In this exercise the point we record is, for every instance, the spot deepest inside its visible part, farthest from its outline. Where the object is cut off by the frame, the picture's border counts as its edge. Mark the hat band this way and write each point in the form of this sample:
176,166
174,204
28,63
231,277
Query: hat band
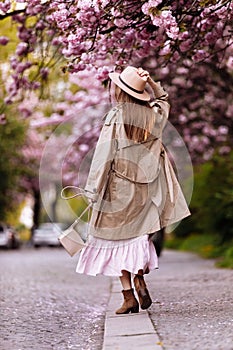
129,87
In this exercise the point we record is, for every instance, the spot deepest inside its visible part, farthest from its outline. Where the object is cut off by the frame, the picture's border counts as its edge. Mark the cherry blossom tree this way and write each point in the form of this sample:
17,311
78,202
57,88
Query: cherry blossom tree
186,44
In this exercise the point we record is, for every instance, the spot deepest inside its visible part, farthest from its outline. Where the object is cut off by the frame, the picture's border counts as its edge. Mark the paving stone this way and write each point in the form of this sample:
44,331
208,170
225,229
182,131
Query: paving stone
130,331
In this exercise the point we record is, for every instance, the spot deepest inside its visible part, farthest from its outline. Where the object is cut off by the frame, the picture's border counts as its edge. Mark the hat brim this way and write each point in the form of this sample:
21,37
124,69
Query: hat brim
115,79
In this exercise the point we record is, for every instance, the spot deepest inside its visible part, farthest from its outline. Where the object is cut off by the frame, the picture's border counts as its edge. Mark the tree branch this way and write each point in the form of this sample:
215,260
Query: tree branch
13,13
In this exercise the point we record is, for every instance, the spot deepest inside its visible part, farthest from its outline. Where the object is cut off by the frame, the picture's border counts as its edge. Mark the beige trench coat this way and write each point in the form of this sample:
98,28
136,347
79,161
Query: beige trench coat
134,184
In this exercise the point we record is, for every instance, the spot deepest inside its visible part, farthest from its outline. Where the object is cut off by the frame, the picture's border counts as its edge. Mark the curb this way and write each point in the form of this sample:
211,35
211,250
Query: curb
130,331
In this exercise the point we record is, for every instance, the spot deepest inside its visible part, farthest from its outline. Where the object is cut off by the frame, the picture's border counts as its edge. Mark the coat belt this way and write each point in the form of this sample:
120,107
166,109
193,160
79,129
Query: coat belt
168,174
166,170
124,177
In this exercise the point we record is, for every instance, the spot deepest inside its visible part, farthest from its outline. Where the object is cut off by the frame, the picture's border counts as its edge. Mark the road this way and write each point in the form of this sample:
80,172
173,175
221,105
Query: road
46,305
193,303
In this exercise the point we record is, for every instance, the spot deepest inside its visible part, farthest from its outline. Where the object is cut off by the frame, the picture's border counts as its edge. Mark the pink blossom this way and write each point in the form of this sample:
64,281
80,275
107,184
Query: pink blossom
103,73
61,15
220,138
25,34
208,130
115,12
146,8
224,150
4,40
22,66
229,112
200,55
179,81
25,112
34,85
5,6
61,6
229,63
223,130
21,49
184,35
93,40
14,62
2,119
84,148
121,22
182,70
9,99
166,49
85,4
195,140
185,45
175,57
44,72
205,140
96,4
168,22
34,8
173,31
182,118
211,37
57,41
41,25
208,154
164,71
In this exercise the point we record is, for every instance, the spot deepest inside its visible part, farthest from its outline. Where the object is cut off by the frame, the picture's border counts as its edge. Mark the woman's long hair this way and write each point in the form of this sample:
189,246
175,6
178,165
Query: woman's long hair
139,117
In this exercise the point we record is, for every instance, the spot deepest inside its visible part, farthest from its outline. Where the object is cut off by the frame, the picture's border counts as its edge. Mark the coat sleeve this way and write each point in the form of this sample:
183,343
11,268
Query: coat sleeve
160,103
101,162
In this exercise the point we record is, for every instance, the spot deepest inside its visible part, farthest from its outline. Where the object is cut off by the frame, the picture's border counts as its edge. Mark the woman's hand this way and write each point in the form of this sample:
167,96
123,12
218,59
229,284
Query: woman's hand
146,77
143,74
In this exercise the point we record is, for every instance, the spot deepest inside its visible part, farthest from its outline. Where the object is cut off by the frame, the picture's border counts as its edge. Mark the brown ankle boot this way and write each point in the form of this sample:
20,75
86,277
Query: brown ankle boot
130,303
143,294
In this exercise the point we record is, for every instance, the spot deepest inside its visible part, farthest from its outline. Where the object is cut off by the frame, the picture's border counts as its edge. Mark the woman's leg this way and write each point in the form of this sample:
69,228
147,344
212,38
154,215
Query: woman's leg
130,303
126,280
142,291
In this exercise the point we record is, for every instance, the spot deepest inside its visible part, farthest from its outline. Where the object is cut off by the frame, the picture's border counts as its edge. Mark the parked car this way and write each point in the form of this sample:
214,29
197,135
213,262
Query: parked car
47,234
9,237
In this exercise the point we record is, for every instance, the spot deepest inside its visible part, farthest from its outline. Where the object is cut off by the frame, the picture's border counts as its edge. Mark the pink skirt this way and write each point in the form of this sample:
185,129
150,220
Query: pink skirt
109,258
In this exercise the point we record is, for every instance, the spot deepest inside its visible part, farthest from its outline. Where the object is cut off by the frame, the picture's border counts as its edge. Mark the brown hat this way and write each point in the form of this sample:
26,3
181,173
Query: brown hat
130,81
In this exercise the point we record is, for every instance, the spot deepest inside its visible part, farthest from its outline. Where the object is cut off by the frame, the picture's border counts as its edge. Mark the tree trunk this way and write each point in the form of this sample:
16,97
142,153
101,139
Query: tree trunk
36,209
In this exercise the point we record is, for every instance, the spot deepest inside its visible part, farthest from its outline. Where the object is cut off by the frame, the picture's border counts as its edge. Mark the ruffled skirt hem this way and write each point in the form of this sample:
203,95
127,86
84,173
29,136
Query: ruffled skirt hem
109,258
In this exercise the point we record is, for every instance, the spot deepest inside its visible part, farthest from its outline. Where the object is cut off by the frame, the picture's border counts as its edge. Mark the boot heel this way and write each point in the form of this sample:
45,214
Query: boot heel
142,291
130,303
145,302
135,310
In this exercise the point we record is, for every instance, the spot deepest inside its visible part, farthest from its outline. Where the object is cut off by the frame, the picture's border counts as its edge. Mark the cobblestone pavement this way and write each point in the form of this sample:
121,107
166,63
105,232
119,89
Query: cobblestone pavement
193,303
46,305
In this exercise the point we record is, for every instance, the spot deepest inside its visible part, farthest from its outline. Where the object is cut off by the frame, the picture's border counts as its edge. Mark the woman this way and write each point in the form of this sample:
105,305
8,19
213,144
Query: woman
133,187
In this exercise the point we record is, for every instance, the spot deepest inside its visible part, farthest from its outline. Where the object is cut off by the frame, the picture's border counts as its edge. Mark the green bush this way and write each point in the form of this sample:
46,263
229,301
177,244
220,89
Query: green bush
12,136
187,226
206,245
227,258
209,230
212,201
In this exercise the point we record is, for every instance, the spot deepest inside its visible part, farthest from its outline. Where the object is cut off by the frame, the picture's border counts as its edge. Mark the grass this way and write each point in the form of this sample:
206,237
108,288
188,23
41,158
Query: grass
226,260
207,246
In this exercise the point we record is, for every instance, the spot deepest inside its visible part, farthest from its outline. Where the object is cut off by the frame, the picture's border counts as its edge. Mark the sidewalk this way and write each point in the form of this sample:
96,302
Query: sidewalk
192,308
127,332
